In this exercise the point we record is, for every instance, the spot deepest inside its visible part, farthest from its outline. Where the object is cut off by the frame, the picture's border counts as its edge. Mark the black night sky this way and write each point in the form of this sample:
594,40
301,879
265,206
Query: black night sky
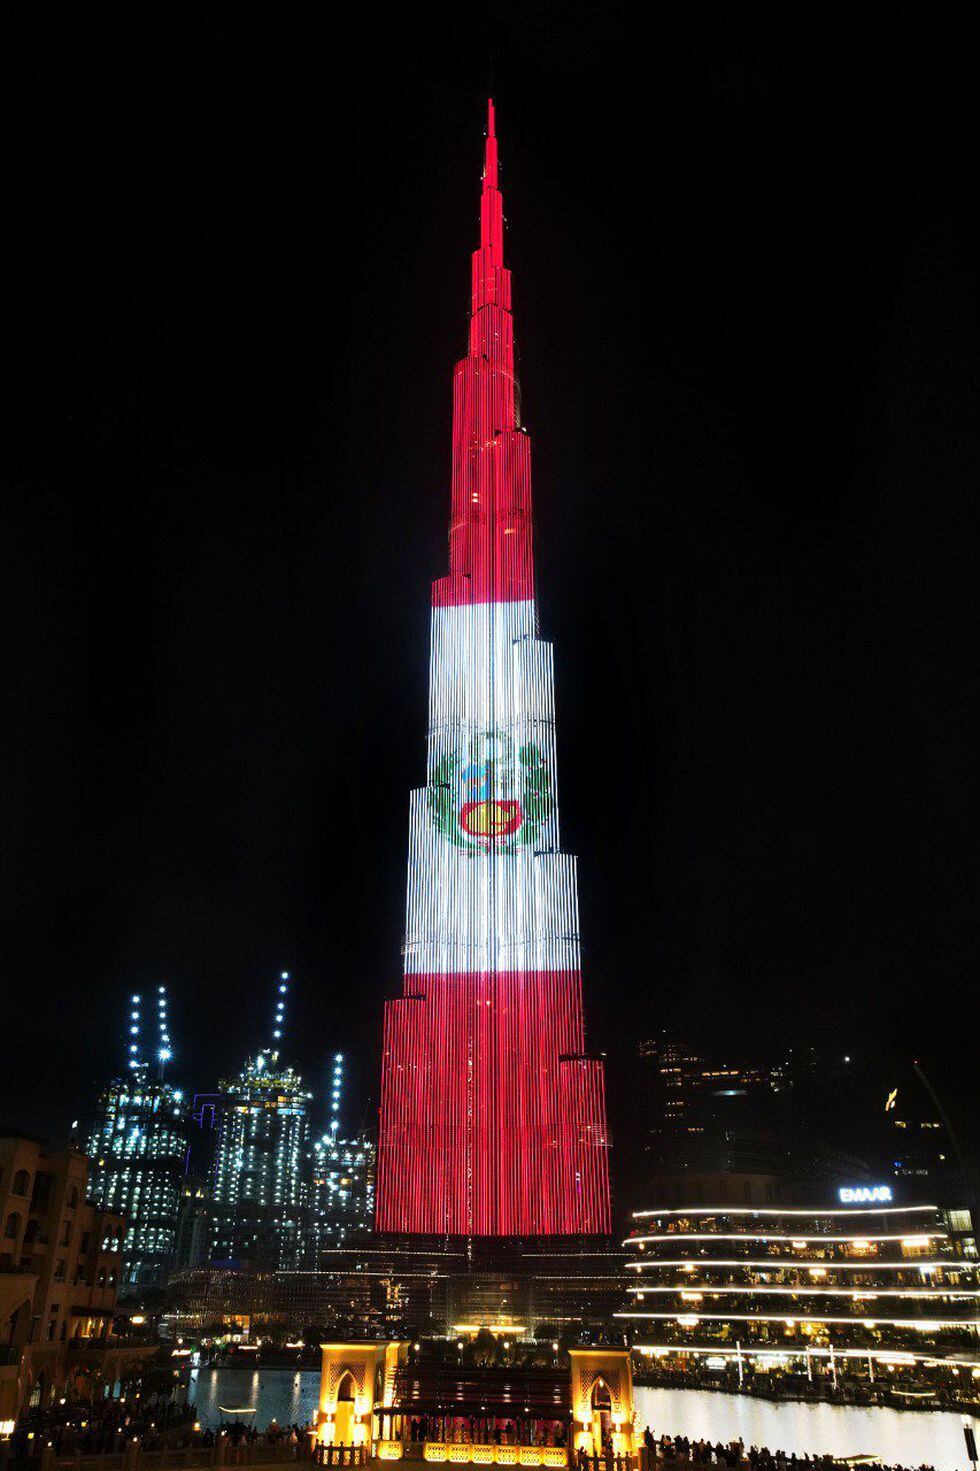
745,264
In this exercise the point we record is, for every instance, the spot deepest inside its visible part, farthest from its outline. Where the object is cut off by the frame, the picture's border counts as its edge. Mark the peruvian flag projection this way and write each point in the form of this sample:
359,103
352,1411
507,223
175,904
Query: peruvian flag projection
493,1119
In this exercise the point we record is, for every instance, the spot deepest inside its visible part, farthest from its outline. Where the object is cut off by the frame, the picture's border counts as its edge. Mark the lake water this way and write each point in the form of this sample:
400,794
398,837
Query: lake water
277,1394
908,1437
897,1437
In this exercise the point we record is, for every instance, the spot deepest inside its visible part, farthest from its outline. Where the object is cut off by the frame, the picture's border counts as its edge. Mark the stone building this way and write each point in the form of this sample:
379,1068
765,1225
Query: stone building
60,1265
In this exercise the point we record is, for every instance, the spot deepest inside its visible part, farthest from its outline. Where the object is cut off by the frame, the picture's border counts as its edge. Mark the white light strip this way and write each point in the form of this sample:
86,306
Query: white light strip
751,1236
755,1210
793,1351
718,1289
923,1325
279,1015
133,1032
780,1263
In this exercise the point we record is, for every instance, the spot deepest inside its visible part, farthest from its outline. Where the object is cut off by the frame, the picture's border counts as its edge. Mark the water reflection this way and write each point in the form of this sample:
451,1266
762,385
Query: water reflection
274,1394
906,1437
898,1437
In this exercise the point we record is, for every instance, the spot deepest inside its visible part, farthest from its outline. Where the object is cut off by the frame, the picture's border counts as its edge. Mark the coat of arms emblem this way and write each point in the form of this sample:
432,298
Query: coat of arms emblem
487,796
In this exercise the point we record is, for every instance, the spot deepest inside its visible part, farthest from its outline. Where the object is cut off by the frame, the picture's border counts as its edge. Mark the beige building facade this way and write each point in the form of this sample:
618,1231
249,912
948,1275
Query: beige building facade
59,1274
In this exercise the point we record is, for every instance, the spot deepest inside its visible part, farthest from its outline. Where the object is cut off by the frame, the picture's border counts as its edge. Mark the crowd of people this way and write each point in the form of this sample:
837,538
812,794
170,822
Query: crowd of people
156,1423
105,1428
164,1423
273,1434
476,1430
680,1450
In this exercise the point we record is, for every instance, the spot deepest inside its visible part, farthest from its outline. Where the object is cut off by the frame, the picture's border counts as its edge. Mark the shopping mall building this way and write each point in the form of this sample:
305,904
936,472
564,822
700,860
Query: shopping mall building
854,1288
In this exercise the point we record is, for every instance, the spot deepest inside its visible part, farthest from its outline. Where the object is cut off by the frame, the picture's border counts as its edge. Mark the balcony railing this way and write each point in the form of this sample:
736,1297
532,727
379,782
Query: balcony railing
222,1453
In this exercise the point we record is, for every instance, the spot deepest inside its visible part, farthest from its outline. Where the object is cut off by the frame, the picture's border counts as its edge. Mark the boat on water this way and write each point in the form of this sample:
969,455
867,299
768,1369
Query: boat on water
238,1409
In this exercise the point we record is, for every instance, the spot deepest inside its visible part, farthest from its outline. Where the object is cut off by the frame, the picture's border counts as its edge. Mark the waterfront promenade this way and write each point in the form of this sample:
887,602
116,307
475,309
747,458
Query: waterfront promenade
259,1451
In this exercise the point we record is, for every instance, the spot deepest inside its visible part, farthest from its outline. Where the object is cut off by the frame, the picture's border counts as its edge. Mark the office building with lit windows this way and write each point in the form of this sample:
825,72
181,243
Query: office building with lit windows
341,1179
872,1289
259,1191
137,1148
259,1188
917,1145
704,1117
718,1130
341,1192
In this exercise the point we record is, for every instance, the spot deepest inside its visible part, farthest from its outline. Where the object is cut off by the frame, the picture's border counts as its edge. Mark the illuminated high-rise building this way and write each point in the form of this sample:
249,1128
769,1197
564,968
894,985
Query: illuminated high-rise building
492,1113
918,1146
138,1147
705,1116
341,1191
342,1170
259,1192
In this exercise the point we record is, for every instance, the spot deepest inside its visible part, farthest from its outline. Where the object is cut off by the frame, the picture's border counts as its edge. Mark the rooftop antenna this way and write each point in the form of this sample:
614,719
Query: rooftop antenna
279,1019
164,1050
336,1088
134,1058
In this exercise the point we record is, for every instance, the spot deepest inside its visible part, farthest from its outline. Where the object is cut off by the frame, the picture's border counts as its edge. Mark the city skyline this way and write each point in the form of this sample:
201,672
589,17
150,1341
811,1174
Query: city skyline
754,454
259,1171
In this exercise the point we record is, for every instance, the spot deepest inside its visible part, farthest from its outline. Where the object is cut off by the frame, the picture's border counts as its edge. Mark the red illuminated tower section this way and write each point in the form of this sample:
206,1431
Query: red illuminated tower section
492,1114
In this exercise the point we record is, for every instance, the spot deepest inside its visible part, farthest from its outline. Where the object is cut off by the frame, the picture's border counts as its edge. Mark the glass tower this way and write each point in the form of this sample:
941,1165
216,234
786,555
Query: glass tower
341,1192
138,1147
259,1190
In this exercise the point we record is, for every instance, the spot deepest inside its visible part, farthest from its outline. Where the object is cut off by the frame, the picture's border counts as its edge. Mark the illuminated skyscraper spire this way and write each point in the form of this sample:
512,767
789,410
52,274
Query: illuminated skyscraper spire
336,1091
490,556
134,1058
164,1050
135,1028
279,1019
259,1192
138,1145
492,1113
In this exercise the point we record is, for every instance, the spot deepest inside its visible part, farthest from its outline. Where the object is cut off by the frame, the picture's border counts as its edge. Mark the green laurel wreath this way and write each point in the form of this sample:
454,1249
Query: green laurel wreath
536,798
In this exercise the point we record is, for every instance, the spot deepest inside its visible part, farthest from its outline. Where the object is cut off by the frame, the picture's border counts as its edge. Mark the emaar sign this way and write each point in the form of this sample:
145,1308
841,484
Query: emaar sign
865,1194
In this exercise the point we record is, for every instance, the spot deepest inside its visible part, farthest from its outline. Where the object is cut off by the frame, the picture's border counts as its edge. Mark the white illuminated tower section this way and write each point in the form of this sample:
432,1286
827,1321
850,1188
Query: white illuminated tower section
138,1146
492,1113
259,1192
